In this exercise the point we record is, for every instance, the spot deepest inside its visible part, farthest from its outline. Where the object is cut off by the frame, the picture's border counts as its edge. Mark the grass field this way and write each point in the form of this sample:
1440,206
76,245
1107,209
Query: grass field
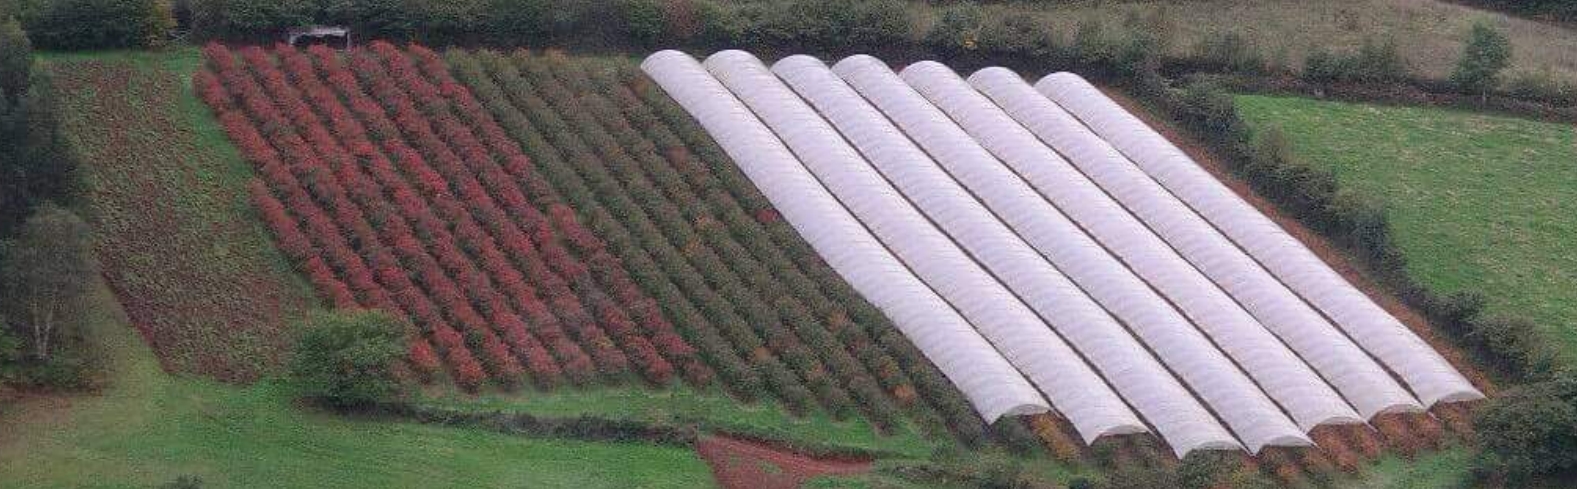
147,428
1428,33
1477,202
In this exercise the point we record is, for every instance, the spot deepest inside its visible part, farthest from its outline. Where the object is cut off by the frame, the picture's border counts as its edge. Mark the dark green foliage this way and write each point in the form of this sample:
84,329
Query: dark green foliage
1531,430
1228,51
45,275
347,359
643,20
1485,53
1542,85
836,25
36,162
16,63
957,28
1374,62
100,24
244,17
1019,35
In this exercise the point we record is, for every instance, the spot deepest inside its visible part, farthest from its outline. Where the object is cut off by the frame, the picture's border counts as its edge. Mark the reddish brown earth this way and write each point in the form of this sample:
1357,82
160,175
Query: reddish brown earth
743,464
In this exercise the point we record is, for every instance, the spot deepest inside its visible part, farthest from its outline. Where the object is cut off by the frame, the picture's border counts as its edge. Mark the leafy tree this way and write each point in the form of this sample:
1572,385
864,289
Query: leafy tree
36,163
346,359
1485,53
16,63
100,24
46,272
1531,430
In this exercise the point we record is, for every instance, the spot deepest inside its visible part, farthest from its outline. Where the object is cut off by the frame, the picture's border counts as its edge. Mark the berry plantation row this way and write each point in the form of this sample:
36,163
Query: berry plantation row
534,232
376,222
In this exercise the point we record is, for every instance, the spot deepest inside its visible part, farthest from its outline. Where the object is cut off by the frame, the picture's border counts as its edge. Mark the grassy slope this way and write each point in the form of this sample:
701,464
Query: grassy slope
1477,202
177,236
148,428
1428,33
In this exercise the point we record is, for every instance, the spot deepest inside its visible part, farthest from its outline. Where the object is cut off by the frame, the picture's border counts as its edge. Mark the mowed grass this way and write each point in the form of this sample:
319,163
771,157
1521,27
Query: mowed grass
1477,202
147,428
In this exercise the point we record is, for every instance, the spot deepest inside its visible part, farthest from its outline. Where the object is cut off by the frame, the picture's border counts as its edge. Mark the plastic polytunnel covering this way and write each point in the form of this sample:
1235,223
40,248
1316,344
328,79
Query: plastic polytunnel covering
1074,389
982,301
1240,403
1430,376
1362,381
992,385
1282,375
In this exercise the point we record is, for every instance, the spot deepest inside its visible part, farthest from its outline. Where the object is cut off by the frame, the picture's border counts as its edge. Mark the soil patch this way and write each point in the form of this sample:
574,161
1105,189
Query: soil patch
743,464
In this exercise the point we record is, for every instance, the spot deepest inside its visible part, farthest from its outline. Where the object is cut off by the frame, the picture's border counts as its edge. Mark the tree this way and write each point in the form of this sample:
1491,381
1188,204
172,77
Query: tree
16,63
1485,53
46,272
36,162
346,359
1531,430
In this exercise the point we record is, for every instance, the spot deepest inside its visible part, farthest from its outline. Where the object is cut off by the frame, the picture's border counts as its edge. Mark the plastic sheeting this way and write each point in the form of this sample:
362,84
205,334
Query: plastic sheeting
1234,397
1074,389
1430,376
1367,386
1277,369
992,385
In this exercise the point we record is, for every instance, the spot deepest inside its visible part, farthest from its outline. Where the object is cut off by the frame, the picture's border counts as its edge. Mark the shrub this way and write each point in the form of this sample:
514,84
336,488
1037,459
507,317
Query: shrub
643,21
1541,85
100,24
346,359
1374,62
957,28
1485,53
1531,430
1228,51
1018,34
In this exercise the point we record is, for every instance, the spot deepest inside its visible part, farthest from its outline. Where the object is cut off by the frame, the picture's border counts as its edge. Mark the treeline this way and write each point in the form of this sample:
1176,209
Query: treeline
46,261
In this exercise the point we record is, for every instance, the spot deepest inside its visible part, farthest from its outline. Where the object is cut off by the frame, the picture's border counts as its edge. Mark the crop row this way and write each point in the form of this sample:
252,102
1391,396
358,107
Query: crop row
375,221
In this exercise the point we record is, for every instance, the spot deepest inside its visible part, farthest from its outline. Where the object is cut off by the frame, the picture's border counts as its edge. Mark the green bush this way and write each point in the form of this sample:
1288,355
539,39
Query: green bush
347,359
1374,62
1228,51
1541,85
957,28
242,18
643,21
1530,431
100,24
1485,53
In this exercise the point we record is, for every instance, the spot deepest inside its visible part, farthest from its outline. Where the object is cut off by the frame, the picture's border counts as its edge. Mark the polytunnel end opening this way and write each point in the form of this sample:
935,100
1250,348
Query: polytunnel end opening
1399,408
1119,430
1284,441
1335,421
1458,397
1214,445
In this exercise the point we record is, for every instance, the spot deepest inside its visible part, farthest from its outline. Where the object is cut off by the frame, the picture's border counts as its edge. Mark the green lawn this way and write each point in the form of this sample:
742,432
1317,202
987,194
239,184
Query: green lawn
148,428
1477,202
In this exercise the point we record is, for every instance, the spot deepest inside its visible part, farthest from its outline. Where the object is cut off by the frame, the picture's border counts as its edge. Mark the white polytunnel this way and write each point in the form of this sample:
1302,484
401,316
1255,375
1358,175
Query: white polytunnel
1074,389
1430,376
1362,381
1284,376
991,384
1234,397
982,301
